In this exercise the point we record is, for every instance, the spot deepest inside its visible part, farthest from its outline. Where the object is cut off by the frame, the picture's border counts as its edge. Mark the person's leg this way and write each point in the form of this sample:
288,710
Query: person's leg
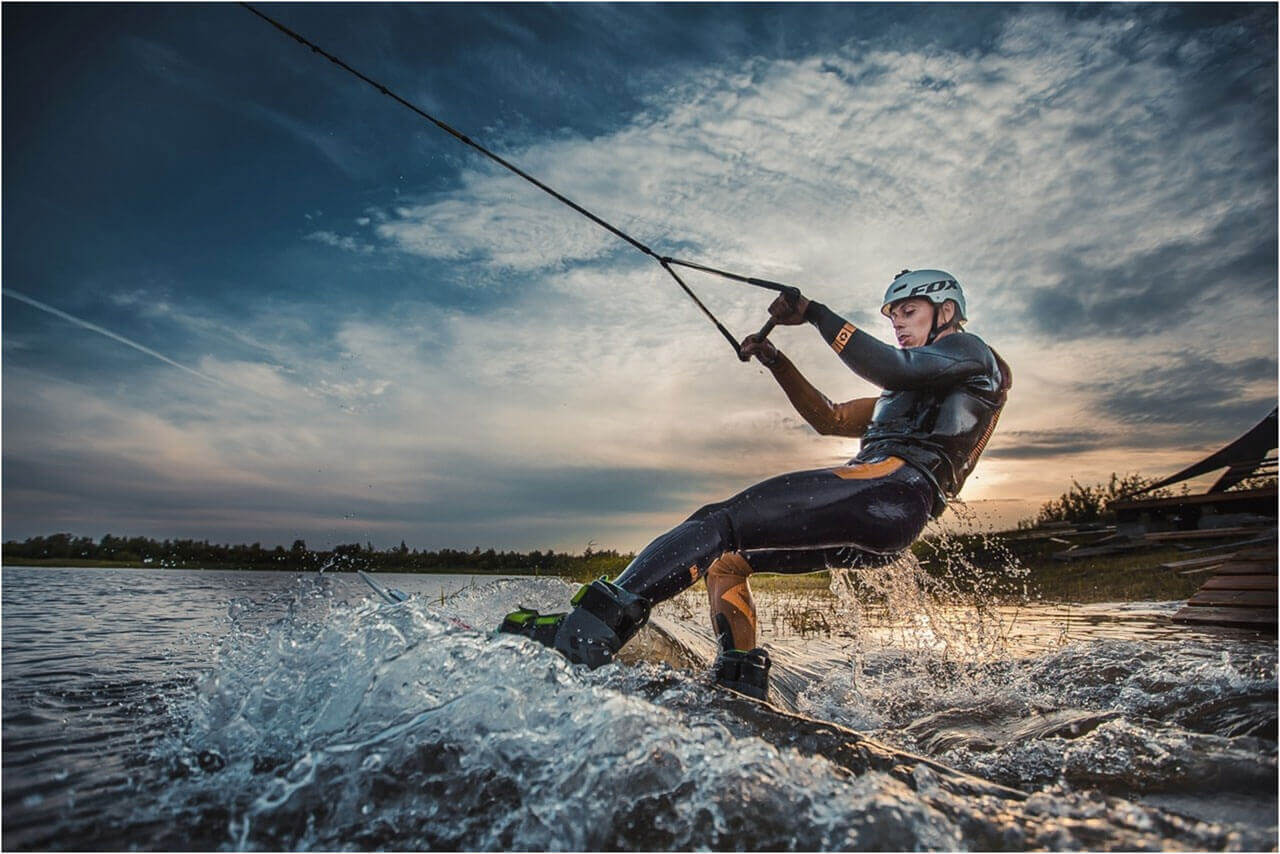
733,613
740,664
877,507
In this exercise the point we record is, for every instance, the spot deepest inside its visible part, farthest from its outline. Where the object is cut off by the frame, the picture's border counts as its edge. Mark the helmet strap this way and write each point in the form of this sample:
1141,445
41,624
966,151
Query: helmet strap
935,330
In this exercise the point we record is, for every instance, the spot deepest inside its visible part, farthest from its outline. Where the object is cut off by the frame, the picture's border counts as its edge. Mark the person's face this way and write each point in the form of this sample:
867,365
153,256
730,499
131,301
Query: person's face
912,321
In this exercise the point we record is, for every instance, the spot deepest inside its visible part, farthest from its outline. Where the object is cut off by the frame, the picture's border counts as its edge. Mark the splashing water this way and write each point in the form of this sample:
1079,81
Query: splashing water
371,725
917,634
367,726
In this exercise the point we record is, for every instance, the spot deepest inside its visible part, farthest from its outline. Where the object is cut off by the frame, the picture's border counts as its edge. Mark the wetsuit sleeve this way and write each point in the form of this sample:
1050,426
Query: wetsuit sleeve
829,419
947,361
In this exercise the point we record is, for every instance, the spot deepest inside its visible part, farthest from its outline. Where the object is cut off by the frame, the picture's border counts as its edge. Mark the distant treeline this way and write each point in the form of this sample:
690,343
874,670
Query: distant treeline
299,558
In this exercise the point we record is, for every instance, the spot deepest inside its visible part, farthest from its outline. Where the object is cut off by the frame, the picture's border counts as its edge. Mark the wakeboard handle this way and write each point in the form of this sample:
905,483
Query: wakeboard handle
791,294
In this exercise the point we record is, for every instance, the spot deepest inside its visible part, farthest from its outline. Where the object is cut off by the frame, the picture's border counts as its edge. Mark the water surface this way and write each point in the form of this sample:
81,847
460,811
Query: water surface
244,710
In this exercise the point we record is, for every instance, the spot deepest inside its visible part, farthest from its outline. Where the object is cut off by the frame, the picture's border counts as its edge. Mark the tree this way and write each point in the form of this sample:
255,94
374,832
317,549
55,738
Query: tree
1083,503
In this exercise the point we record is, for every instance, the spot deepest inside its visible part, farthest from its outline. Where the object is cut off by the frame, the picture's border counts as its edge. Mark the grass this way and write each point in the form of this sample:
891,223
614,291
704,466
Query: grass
812,581
1125,577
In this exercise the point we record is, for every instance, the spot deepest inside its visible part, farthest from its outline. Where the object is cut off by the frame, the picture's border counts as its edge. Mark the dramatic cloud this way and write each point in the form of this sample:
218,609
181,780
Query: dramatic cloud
1208,396
414,344
1047,444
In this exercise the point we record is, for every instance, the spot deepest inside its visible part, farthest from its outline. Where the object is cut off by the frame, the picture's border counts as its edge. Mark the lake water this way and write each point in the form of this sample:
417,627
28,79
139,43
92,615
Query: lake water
170,709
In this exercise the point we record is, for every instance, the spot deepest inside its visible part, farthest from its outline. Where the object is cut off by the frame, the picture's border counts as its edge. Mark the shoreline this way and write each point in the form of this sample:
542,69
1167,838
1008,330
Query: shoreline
82,563
1124,578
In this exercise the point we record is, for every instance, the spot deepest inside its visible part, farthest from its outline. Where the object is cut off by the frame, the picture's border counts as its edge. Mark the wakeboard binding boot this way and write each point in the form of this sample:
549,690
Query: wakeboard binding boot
745,671
604,618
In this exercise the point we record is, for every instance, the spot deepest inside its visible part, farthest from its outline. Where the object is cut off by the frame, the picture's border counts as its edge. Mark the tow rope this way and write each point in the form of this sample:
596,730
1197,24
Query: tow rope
665,261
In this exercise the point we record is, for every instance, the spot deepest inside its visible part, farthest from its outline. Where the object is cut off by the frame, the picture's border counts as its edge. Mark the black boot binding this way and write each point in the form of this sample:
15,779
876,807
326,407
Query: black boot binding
604,618
745,671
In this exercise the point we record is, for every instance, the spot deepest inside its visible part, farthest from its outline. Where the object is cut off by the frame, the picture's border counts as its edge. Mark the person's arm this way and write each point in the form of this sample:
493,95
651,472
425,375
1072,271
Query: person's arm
947,360
829,419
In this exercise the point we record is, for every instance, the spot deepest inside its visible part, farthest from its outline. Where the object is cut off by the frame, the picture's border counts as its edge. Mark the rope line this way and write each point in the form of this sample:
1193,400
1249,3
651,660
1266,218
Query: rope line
664,261
666,265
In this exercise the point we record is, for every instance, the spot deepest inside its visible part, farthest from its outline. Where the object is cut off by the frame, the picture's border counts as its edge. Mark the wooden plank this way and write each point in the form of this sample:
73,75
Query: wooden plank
1218,547
1240,582
1225,498
1258,554
1241,598
1248,567
1051,533
1196,561
1248,617
1229,567
1206,534
1201,570
1111,549
1021,536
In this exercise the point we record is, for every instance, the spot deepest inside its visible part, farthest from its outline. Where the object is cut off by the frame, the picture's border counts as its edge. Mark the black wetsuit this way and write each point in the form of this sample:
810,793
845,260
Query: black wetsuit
939,406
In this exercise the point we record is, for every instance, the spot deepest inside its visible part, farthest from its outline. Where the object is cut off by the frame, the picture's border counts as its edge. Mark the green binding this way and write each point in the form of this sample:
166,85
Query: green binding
744,671
603,619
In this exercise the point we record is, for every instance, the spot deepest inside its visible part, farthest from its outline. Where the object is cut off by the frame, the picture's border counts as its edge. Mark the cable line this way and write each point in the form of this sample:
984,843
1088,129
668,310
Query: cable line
664,261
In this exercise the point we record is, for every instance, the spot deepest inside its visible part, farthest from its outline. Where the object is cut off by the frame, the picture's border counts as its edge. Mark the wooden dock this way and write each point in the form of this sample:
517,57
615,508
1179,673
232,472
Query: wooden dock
1241,592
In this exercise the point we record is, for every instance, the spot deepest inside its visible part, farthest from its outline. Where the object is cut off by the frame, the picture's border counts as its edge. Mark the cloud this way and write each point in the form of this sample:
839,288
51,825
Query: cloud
1190,395
346,243
1065,170
1103,184
1046,444
1232,263
169,64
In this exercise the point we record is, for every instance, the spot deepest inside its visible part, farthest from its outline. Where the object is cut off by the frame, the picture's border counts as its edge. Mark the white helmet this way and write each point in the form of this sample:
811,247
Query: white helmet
937,286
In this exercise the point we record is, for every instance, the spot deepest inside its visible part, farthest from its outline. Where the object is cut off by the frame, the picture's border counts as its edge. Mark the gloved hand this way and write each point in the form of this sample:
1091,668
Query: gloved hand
789,312
761,348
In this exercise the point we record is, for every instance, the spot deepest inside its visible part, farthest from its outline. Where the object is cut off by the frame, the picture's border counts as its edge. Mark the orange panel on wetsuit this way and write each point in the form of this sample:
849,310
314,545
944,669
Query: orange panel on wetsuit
731,598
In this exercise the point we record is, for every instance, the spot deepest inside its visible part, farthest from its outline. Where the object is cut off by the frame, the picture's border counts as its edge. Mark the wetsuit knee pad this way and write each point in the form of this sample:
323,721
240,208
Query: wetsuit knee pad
717,524
730,566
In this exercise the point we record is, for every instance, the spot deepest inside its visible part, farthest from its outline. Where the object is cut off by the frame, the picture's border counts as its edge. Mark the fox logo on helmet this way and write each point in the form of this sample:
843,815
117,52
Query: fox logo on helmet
934,287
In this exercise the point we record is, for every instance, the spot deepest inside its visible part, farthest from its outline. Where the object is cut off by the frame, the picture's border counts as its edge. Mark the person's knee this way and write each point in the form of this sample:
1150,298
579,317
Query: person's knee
715,519
705,511
730,565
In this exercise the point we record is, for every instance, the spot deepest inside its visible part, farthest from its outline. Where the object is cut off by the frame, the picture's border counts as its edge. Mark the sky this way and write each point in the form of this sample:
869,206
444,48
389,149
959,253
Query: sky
248,298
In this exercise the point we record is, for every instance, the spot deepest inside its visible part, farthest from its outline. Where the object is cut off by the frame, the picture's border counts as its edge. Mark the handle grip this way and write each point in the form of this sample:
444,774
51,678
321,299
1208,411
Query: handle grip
789,293
759,336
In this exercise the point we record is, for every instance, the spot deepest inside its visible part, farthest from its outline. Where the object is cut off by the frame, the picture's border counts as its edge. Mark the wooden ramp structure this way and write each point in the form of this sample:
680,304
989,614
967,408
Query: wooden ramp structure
1247,457
1241,592
1242,589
